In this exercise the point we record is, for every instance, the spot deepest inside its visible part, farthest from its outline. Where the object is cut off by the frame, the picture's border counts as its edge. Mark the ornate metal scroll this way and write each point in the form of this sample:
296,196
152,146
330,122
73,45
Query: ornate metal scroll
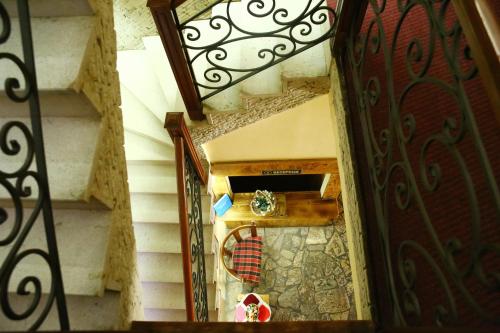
197,247
287,35
401,181
22,183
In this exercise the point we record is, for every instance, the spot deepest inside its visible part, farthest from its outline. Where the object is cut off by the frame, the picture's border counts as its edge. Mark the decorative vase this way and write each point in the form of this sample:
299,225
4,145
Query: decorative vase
263,203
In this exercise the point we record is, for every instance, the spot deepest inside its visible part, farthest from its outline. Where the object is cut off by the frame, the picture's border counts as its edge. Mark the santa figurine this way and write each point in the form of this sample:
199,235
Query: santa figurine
252,309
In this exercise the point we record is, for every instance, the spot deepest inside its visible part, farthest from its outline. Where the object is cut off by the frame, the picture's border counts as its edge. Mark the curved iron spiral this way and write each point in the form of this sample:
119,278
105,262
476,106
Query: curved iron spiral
23,175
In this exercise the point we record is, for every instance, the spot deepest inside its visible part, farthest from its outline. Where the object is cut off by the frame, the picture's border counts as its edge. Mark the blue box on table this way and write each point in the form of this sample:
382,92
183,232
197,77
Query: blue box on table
222,205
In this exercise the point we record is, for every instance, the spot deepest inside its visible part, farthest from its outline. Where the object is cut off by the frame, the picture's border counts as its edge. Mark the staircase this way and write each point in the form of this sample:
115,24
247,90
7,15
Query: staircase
87,207
146,97
148,92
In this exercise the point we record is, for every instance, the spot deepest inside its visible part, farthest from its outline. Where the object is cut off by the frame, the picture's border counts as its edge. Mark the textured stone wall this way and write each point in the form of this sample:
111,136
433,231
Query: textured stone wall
297,91
133,21
98,80
350,198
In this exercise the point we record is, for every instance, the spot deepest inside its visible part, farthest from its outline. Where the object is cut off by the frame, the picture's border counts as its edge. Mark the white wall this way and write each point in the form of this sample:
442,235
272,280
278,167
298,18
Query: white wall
302,132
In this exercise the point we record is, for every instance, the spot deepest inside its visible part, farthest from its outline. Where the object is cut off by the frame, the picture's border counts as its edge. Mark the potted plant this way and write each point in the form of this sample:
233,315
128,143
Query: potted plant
263,203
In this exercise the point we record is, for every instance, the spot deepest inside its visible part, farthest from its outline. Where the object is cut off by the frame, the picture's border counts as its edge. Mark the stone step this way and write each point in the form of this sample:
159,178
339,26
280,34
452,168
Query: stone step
85,313
138,118
167,296
145,168
152,178
148,184
59,43
140,148
53,103
139,77
165,238
52,8
161,208
167,267
172,315
82,237
157,57
70,145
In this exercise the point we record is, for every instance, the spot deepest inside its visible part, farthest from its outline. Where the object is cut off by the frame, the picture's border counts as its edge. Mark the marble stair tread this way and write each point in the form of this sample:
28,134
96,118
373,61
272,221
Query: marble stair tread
157,57
151,184
138,118
165,238
161,208
172,315
85,313
158,295
53,103
82,239
167,267
52,8
140,148
146,168
70,145
60,44
138,76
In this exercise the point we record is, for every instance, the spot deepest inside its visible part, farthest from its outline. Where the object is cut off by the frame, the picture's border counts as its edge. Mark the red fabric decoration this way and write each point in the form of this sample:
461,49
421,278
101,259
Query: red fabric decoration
247,256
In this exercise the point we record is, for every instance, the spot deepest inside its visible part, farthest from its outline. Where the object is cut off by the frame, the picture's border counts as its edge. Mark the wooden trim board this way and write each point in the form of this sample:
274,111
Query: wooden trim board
259,168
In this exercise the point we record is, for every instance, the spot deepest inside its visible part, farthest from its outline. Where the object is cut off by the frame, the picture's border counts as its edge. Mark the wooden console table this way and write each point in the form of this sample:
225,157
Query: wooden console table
294,209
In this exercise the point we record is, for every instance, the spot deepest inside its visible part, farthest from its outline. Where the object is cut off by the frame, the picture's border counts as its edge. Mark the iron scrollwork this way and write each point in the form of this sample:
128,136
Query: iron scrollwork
20,183
193,192
287,34
394,173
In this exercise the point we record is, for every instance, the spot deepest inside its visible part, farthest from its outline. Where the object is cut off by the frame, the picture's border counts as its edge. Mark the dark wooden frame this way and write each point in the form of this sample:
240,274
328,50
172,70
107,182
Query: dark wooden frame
178,131
485,55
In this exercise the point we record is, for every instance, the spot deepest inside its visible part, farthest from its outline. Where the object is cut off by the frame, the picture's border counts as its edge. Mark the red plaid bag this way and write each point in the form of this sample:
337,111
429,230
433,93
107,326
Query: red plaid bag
247,257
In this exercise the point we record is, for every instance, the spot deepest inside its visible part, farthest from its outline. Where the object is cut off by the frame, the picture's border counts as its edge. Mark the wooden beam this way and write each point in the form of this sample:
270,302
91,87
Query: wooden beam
337,326
167,28
476,18
259,168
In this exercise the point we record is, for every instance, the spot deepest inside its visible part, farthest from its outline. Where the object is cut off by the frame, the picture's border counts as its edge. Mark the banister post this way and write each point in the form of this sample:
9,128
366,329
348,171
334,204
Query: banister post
176,126
167,29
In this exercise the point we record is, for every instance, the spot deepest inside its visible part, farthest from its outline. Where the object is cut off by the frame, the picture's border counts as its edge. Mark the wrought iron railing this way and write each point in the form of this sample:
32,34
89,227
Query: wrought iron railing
190,177
422,80
23,182
205,56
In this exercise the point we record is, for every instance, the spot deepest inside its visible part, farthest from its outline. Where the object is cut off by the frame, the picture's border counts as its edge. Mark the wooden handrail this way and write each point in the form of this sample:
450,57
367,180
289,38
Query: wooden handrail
176,127
167,29
178,131
478,22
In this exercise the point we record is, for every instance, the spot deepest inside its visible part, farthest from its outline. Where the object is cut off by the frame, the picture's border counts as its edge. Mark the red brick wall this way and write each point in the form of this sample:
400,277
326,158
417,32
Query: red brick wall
450,207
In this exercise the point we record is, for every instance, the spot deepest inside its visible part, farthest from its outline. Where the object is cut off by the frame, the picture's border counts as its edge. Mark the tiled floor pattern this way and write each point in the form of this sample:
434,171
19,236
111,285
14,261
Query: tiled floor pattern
305,272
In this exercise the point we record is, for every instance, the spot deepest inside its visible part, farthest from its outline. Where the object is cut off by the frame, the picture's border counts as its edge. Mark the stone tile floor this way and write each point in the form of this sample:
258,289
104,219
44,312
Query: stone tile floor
306,273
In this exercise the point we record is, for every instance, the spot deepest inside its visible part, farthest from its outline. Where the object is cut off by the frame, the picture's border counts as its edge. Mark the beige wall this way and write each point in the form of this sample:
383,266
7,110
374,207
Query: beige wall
299,133
350,198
